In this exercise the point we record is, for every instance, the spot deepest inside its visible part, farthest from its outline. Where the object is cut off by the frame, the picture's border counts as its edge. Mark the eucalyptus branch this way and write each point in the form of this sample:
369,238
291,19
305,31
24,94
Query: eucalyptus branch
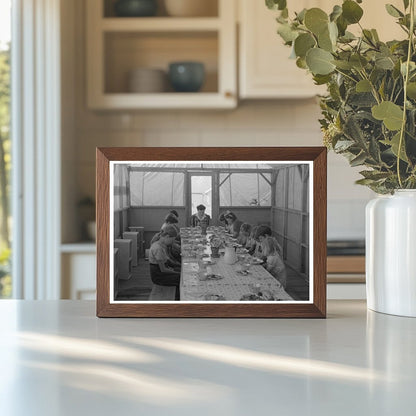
346,75
406,79
373,88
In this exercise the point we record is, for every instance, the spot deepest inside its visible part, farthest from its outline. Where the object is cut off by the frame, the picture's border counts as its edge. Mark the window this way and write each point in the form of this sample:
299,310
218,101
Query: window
245,189
156,188
5,159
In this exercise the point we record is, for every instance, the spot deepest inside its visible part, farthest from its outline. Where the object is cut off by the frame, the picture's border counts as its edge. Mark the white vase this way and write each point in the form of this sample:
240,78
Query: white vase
391,253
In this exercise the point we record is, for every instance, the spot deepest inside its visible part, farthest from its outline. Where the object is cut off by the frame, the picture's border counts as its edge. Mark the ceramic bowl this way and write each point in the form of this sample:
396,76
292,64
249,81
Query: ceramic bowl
186,76
147,80
135,8
191,8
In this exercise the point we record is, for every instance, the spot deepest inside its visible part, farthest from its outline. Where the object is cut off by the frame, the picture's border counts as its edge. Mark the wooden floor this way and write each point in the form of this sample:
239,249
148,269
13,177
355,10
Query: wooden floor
139,286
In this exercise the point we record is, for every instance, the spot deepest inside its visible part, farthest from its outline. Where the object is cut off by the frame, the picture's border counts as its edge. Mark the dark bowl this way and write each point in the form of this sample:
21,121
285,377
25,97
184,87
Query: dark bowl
135,8
186,76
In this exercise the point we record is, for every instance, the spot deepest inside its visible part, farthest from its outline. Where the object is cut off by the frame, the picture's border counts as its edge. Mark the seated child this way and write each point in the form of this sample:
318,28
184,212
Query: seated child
251,242
274,263
174,250
244,235
163,271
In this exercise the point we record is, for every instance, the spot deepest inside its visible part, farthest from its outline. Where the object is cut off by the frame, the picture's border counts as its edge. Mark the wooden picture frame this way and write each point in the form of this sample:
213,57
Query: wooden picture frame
313,307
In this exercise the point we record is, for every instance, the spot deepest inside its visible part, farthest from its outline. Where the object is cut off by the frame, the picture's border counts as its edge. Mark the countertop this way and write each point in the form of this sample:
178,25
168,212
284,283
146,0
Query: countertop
57,358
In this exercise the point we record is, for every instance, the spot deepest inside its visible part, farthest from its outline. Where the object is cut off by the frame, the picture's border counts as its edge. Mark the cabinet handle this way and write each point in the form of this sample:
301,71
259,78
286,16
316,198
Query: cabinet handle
229,94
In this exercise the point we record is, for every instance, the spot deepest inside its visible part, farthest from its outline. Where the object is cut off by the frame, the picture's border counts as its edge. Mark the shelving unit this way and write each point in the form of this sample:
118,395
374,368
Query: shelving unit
117,45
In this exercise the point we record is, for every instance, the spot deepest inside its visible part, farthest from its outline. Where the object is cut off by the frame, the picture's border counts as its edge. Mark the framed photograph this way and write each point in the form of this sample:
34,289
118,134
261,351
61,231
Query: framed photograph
211,232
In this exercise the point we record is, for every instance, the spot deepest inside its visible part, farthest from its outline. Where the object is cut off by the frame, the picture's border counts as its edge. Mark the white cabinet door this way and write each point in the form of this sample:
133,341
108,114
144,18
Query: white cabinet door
78,276
265,68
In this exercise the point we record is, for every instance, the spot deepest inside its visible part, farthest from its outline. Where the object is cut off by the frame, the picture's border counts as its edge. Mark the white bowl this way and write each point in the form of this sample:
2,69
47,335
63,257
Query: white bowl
191,8
147,80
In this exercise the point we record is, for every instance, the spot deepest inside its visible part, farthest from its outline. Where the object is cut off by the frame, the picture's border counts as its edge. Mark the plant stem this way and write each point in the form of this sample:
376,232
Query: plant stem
406,79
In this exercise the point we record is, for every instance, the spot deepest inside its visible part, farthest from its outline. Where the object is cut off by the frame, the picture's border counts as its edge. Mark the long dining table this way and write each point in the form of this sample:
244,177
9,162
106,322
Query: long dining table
230,282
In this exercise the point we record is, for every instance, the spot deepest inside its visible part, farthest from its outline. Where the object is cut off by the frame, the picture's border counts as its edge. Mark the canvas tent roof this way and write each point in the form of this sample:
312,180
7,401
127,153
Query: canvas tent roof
224,166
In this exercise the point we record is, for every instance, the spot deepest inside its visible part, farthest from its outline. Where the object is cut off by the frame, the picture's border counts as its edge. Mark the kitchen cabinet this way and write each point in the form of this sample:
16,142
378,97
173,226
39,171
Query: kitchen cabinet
78,263
118,45
265,70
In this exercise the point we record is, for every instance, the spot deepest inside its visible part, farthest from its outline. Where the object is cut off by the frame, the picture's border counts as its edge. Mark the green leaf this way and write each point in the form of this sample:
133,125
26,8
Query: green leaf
343,145
276,4
375,35
325,42
384,62
368,36
321,79
393,11
301,15
344,65
301,63
363,86
303,43
374,175
287,33
316,20
406,4
319,61
336,12
358,61
358,160
394,145
351,11
391,114
342,25
411,90
333,32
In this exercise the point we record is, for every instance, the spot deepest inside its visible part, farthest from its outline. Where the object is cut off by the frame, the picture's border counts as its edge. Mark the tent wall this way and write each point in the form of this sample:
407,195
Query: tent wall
290,215
121,199
152,218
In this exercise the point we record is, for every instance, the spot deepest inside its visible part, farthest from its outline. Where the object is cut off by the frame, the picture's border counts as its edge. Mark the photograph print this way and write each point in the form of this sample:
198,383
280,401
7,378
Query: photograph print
227,232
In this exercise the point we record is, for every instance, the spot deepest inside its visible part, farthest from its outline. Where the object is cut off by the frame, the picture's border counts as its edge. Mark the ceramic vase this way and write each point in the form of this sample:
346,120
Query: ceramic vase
391,253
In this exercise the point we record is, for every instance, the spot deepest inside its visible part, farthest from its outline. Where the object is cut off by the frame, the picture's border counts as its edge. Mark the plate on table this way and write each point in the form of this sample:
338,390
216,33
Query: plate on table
213,296
243,272
213,276
264,295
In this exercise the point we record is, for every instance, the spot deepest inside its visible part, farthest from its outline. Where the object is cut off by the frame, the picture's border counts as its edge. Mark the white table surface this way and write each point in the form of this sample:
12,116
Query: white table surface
57,358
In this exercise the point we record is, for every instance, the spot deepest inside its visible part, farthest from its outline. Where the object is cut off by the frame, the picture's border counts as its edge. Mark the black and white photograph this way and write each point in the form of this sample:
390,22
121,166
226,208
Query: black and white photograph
210,232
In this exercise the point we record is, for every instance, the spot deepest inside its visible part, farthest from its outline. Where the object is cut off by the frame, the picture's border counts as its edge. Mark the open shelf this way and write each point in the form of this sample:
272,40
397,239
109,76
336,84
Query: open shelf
160,24
210,9
116,46
126,51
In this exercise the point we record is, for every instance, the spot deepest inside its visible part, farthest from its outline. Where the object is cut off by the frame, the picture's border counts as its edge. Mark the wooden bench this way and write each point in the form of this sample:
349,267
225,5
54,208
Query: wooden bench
162,292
